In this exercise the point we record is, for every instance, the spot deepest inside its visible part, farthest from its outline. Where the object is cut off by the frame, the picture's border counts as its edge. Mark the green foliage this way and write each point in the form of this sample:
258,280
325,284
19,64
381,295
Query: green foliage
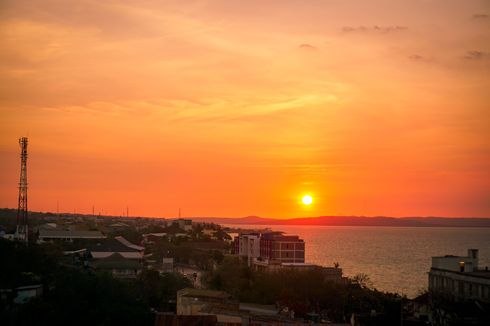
231,276
222,235
302,291
160,290
23,265
80,298
446,310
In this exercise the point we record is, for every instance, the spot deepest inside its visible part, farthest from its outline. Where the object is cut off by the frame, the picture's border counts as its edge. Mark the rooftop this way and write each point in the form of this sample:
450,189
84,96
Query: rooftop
280,236
101,245
200,293
73,234
129,244
116,261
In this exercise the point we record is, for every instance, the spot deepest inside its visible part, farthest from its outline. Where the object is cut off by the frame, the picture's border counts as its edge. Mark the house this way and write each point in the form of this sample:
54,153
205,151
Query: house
150,238
118,266
460,276
25,293
46,235
105,247
21,294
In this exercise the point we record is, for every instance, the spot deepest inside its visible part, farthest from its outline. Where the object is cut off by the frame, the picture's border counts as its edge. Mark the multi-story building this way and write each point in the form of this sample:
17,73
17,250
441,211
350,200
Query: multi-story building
460,276
247,246
275,246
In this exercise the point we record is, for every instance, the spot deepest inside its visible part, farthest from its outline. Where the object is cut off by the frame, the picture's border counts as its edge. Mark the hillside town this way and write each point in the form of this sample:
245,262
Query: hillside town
197,273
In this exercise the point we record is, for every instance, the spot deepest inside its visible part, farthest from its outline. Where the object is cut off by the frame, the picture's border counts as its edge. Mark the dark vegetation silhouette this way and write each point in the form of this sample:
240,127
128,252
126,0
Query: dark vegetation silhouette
306,292
73,296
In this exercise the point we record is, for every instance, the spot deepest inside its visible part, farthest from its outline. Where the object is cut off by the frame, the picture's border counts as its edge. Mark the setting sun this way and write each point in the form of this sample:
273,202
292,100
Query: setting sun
307,199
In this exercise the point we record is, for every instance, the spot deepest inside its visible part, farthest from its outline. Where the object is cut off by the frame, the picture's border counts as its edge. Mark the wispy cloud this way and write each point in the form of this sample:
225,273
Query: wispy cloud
476,55
416,57
480,16
421,58
375,29
308,47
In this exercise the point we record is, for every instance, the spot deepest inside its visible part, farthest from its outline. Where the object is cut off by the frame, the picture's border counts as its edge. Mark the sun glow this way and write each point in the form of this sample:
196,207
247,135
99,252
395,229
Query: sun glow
307,200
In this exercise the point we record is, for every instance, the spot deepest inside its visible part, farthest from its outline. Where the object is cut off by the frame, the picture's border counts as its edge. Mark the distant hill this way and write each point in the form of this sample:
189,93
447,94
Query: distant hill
357,221
7,217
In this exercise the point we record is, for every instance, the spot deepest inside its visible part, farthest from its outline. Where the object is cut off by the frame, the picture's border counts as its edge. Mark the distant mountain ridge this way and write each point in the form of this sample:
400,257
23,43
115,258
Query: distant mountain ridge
9,214
357,221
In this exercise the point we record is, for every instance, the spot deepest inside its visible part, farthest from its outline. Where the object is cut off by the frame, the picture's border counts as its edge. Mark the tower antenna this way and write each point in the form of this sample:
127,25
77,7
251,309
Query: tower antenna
22,230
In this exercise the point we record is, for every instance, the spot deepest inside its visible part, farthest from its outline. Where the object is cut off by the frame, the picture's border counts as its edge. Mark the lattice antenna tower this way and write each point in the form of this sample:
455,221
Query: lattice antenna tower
22,231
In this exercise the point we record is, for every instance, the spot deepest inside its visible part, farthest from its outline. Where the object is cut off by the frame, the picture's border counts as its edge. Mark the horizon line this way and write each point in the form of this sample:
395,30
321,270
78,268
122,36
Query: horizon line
256,216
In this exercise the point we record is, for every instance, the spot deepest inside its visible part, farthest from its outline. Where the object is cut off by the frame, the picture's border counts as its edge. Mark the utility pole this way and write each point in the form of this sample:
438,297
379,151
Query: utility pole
22,230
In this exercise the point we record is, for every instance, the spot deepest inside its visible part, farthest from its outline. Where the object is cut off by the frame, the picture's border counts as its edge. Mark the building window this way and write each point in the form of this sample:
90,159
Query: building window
461,266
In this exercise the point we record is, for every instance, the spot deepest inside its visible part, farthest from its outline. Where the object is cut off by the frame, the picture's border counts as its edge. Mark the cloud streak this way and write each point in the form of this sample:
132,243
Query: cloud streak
480,16
374,29
476,55
308,47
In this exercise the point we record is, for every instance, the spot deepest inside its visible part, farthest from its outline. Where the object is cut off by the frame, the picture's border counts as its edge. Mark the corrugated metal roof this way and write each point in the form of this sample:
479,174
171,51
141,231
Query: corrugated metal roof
73,234
129,244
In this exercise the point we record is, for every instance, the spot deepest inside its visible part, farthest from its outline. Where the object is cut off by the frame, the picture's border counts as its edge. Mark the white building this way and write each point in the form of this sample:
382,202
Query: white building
460,276
249,246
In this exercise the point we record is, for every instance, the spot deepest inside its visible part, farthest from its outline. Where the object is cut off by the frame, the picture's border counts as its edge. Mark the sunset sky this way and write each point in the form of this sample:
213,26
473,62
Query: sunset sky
236,108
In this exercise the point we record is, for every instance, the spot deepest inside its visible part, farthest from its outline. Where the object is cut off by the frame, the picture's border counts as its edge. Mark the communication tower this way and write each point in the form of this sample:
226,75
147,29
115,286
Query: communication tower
22,231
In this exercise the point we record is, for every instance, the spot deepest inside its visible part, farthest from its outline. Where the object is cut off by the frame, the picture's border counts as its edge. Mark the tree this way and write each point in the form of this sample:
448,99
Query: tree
363,280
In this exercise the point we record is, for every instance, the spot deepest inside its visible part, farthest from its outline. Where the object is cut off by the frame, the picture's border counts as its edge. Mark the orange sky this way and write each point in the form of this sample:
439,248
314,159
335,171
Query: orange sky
234,108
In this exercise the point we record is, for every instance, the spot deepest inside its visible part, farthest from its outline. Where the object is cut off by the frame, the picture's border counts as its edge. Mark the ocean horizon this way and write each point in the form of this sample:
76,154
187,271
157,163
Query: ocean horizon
396,259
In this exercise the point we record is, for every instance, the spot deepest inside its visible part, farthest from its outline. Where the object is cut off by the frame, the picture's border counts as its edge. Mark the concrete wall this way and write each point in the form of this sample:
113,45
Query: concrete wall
463,286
